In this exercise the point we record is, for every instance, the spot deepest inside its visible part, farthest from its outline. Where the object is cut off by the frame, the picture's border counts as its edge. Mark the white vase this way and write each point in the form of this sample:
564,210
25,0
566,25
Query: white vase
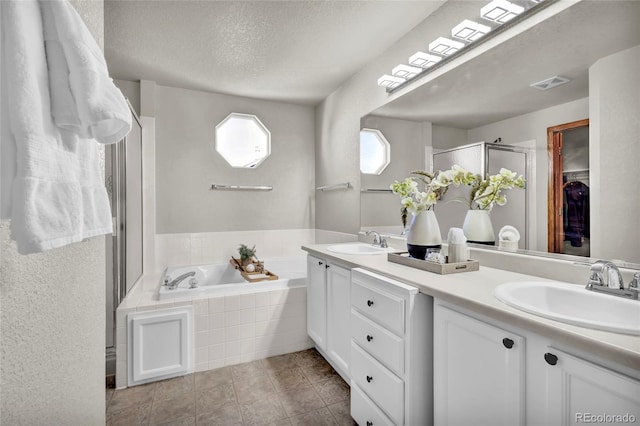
423,233
477,227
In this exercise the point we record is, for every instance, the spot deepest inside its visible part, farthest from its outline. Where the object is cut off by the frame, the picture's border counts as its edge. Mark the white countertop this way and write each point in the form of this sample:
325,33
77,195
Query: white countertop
474,291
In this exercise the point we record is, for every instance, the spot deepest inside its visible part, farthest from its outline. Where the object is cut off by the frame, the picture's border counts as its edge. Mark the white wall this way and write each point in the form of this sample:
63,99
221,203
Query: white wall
614,104
449,137
52,322
187,164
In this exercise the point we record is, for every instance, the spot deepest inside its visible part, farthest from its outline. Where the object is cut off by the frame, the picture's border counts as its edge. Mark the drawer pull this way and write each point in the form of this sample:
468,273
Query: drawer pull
320,263
550,358
369,423
508,343
369,379
369,303
369,337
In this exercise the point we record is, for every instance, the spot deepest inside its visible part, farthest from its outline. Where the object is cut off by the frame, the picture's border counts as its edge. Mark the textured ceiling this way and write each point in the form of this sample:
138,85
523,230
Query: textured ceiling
294,51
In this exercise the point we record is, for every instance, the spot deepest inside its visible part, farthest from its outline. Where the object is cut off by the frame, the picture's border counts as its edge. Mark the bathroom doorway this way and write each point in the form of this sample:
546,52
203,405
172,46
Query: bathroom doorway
568,194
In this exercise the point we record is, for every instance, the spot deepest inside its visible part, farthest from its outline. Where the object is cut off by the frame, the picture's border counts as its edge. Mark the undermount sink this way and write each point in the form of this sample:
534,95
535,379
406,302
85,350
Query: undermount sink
572,304
357,248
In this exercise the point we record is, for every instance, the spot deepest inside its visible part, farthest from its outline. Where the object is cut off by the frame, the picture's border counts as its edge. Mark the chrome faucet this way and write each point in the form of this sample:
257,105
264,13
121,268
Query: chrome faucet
172,284
377,239
605,277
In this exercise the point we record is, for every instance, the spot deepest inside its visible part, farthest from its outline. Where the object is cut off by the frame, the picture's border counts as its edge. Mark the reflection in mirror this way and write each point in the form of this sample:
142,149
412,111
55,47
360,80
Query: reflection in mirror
488,98
374,152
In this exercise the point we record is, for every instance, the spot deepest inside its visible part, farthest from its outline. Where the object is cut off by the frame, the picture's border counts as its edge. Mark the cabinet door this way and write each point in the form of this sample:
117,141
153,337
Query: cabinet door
580,392
317,301
478,372
339,315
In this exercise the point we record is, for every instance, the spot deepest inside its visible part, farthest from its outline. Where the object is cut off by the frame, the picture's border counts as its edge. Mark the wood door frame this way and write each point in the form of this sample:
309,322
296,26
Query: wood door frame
555,229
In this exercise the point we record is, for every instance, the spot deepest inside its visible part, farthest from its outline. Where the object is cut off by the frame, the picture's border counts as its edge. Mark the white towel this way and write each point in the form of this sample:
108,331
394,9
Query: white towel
58,196
83,96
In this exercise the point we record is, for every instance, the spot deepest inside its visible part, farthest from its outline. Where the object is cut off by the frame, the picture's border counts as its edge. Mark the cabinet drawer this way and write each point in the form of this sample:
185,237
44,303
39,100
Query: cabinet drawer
381,385
383,345
364,411
383,308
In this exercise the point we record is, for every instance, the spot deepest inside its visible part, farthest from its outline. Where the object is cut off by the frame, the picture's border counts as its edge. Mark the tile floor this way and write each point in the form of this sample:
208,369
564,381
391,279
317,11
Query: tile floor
293,389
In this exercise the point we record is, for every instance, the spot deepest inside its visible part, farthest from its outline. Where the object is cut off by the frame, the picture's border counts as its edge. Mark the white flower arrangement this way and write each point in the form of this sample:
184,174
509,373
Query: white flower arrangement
414,200
485,193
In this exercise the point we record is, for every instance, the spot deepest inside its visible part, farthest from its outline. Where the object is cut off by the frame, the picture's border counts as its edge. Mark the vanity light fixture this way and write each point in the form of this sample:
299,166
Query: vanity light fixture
390,81
424,60
406,71
500,11
444,46
469,31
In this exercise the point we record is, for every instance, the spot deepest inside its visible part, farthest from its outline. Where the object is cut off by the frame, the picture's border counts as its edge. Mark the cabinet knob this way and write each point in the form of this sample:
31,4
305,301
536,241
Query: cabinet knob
369,337
327,266
369,423
508,343
369,302
550,358
320,263
369,379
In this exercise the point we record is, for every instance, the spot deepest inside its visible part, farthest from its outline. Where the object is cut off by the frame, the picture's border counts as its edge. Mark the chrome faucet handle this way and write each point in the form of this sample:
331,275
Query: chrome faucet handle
634,285
605,273
193,283
167,280
383,242
376,236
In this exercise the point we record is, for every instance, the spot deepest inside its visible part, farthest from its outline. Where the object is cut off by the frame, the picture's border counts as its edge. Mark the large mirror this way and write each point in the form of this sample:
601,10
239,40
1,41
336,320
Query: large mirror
596,44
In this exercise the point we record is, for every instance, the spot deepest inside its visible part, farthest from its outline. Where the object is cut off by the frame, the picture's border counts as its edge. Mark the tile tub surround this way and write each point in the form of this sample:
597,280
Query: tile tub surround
293,389
228,329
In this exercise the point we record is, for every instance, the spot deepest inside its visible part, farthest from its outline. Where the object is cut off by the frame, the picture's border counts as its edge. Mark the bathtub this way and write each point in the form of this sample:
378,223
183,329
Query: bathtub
221,278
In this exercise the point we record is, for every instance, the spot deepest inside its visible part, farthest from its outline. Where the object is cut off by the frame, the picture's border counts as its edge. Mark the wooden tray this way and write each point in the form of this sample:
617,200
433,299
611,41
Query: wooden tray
252,277
438,268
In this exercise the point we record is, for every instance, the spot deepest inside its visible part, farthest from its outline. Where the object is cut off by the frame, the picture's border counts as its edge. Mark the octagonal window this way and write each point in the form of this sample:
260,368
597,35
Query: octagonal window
242,140
374,152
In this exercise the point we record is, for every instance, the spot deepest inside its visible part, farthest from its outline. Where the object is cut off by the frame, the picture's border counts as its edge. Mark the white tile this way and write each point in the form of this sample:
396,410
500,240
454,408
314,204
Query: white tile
232,303
217,351
297,294
202,367
202,355
216,305
179,303
247,301
262,298
244,316
216,363
217,336
239,347
200,307
239,332
263,313
121,335
277,297
201,323
232,360
202,339
121,316
216,321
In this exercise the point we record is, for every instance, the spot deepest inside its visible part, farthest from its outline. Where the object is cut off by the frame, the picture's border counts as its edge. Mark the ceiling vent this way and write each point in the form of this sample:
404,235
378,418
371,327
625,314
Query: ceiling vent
550,82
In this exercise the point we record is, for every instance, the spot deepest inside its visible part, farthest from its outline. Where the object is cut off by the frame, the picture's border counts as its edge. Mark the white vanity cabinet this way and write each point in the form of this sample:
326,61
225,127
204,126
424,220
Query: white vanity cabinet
391,347
478,379
578,391
328,306
479,372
